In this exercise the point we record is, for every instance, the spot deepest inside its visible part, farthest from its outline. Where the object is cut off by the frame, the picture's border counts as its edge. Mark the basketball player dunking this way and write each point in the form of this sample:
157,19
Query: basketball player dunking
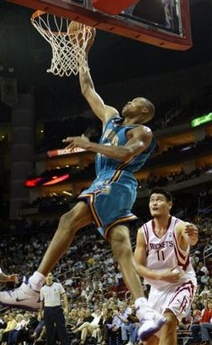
123,149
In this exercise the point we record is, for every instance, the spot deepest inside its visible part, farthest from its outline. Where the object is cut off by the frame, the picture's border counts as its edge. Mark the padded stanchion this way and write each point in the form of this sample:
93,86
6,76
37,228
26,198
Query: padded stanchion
112,7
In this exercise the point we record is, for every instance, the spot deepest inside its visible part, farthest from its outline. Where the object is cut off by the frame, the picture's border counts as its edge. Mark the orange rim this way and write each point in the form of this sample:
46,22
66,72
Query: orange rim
37,14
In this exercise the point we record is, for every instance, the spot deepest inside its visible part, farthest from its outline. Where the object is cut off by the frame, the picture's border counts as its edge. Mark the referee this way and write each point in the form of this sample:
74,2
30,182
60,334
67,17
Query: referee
51,295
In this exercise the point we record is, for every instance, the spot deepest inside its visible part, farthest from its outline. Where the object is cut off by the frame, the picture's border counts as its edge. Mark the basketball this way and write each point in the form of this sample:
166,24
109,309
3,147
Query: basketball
80,34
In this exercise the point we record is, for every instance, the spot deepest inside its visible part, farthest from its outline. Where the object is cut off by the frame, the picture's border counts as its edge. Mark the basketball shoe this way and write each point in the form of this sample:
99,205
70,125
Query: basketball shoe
24,297
150,322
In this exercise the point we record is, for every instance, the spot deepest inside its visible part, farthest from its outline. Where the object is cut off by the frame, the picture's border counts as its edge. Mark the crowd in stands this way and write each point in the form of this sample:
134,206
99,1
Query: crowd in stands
100,305
106,321
181,152
56,131
184,152
167,115
57,201
173,113
174,177
101,309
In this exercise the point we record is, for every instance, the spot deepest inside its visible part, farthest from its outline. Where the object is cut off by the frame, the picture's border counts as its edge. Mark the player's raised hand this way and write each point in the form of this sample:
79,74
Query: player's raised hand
191,232
81,141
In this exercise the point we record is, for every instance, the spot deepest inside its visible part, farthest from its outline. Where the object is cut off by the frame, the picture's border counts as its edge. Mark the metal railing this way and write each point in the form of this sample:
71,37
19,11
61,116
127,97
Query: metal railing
206,254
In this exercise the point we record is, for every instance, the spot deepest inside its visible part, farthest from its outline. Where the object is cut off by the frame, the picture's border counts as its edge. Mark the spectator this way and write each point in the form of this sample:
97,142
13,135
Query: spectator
130,328
4,323
113,327
11,325
90,327
195,327
206,324
14,335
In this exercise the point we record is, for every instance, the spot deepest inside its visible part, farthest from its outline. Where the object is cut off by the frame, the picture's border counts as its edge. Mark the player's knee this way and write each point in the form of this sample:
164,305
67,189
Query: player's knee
120,243
153,340
118,236
171,320
121,251
65,222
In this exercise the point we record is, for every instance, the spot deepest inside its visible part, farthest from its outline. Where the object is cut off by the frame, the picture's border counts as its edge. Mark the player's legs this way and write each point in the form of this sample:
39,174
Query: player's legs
168,335
150,320
153,340
173,301
27,295
122,250
69,224
168,331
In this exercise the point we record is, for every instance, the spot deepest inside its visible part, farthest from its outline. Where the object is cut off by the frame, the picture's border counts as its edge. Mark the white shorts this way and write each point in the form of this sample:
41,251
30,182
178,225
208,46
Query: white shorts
177,298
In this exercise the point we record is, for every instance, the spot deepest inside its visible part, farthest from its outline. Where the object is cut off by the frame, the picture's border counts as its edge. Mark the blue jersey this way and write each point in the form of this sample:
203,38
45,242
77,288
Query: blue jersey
112,194
114,134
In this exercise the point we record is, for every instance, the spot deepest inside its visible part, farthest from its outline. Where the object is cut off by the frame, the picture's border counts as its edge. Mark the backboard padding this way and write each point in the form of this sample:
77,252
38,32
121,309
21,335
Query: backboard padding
116,24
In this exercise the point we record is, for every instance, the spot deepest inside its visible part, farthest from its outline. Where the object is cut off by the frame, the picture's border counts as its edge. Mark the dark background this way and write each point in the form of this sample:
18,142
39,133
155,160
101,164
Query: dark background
113,58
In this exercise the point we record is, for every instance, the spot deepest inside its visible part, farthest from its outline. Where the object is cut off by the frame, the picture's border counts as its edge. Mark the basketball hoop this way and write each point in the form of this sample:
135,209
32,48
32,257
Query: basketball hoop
68,56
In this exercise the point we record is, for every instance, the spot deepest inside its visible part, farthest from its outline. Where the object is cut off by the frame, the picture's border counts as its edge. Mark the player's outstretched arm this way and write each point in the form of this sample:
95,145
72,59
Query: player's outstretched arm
187,234
138,142
100,109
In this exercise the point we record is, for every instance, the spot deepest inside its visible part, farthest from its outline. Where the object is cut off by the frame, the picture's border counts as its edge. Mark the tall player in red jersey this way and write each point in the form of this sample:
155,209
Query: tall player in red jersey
162,258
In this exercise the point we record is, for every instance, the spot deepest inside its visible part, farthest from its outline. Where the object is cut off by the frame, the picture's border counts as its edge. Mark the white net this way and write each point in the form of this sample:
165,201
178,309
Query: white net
68,55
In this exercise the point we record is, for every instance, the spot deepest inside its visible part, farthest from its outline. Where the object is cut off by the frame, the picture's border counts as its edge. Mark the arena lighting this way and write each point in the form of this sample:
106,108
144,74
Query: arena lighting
67,193
33,182
201,119
56,179
46,181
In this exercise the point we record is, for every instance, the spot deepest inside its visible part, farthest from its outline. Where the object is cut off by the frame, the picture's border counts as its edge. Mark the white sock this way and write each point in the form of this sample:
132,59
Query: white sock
37,280
141,306
141,300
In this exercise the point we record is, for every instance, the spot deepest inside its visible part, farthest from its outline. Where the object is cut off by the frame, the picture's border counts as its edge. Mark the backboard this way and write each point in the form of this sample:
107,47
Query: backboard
163,23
